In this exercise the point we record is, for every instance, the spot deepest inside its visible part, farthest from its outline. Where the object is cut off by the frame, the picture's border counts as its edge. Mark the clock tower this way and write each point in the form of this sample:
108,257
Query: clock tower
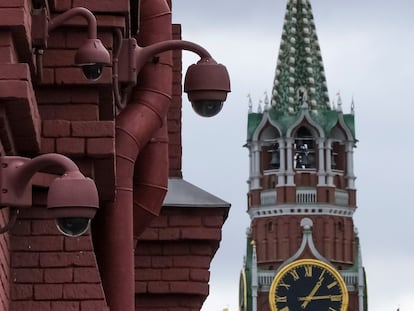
302,250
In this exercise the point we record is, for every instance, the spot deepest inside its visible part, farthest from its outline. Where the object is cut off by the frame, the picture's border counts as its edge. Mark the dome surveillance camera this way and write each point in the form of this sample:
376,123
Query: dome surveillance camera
73,226
92,71
92,57
73,201
207,84
207,108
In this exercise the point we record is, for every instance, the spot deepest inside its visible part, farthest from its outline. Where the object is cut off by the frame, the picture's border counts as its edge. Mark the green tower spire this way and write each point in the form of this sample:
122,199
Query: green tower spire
300,75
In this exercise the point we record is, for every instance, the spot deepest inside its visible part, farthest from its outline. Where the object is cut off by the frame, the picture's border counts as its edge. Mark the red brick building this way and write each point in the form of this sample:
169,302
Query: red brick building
48,106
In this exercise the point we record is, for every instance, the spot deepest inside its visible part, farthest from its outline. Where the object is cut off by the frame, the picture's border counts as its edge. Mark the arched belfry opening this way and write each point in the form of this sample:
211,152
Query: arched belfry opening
270,148
304,149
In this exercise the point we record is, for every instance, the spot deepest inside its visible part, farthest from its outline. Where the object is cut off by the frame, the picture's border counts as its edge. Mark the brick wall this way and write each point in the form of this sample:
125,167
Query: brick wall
51,272
4,264
56,109
175,112
15,89
173,258
333,238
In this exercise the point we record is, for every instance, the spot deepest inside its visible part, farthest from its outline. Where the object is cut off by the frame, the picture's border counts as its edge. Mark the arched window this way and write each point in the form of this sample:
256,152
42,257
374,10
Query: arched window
340,226
338,156
270,149
304,149
269,226
274,162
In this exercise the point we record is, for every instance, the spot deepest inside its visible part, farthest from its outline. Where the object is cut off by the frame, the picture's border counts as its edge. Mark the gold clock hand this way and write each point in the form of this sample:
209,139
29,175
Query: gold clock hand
331,297
312,293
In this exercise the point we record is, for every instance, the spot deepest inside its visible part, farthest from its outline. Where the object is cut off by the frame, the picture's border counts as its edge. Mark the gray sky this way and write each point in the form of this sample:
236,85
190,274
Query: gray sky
368,52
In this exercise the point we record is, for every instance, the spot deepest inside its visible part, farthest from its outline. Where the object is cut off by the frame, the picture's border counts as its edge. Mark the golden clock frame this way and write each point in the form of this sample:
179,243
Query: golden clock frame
301,262
243,291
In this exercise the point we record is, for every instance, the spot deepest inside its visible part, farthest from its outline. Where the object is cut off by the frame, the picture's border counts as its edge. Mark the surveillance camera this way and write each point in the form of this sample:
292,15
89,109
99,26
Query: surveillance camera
207,103
92,57
207,84
73,226
207,108
92,71
73,201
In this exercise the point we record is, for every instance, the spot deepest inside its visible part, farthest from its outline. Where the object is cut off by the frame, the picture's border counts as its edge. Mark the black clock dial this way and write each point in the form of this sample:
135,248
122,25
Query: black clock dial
308,285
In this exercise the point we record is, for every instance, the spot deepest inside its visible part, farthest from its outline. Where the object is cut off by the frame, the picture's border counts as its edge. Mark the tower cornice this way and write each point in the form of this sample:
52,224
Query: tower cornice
280,210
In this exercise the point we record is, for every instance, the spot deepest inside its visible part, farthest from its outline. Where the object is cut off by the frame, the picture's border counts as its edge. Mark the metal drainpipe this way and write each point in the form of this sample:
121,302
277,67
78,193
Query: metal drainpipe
141,164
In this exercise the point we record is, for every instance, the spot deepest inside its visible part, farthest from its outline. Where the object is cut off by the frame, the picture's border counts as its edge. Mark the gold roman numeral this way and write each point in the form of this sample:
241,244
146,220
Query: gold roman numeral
308,271
294,274
336,297
285,309
286,286
334,283
281,299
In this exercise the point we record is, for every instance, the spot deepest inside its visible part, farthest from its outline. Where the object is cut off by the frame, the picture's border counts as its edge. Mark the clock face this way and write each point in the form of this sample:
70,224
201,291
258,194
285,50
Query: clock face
309,285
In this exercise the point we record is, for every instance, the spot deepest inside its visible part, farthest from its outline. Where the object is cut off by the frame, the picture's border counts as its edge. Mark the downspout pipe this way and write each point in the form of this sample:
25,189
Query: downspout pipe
141,163
150,181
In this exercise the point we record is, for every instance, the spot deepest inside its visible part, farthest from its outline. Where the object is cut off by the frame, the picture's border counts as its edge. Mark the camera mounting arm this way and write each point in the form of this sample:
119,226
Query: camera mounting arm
91,56
207,82
78,11
70,195
133,57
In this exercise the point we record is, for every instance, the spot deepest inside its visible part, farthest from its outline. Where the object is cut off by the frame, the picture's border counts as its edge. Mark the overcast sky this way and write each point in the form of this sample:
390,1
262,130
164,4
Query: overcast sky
368,53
